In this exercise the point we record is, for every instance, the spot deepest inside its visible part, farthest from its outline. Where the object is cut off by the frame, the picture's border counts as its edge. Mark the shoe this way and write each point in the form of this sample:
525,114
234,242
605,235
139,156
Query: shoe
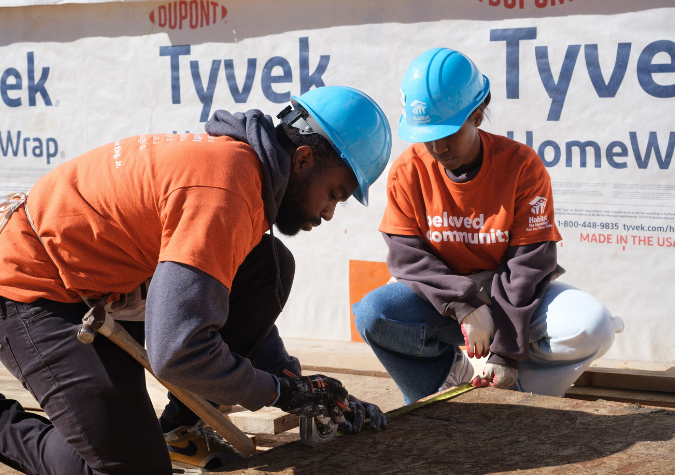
460,373
199,446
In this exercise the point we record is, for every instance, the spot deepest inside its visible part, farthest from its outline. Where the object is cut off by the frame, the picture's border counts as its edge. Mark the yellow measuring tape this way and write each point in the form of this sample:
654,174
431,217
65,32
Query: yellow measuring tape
411,407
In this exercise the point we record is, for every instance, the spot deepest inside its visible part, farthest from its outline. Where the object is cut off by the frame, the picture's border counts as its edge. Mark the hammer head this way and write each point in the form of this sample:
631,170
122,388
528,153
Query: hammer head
92,321
317,430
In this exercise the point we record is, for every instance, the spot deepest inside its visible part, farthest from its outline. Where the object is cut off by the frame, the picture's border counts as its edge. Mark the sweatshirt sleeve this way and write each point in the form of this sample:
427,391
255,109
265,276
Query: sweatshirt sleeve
184,311
274,358
412,263
518,287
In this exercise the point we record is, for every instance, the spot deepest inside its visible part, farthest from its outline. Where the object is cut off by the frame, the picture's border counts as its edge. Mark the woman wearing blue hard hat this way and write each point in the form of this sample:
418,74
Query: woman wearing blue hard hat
472,247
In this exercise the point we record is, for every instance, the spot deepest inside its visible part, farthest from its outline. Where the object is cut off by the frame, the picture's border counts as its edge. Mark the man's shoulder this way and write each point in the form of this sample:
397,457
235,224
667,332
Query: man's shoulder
239,156
218,162
237,168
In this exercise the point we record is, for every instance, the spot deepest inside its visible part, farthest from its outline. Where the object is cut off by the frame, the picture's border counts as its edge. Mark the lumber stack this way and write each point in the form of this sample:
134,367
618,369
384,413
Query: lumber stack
648,388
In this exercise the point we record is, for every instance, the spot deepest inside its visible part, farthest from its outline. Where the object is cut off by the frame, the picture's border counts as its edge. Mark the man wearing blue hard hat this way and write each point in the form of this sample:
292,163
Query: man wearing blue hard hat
191,212
472,248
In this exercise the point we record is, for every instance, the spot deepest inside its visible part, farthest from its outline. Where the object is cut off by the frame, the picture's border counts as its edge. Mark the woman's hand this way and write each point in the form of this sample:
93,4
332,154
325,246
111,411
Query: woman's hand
496,376
478,330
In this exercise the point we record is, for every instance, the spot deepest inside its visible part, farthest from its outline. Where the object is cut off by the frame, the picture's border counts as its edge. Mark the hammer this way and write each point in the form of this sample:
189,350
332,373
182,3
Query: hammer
98,320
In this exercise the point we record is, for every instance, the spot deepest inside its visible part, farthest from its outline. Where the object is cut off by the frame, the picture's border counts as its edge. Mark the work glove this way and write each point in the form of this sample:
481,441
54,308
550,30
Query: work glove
496,376
478,330
358,412
313,396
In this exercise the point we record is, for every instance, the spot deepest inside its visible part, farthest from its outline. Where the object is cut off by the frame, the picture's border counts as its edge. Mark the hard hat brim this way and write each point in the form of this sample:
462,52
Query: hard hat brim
361,195
428,133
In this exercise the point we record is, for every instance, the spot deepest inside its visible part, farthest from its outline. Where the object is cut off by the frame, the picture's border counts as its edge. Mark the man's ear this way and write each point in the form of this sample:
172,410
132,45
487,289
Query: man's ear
303,160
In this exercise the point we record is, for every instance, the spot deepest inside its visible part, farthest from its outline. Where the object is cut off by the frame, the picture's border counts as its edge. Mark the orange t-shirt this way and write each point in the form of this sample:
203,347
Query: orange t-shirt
110,215
469,226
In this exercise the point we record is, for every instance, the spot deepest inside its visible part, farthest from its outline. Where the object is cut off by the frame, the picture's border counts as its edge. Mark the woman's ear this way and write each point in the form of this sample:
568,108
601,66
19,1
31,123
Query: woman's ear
477,117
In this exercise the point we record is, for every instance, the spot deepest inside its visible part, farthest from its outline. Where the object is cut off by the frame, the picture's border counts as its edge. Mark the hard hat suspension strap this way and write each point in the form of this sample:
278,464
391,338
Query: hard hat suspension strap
300,119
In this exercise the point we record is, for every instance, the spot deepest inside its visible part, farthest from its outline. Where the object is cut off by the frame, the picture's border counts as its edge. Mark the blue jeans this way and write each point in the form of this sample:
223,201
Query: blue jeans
416,344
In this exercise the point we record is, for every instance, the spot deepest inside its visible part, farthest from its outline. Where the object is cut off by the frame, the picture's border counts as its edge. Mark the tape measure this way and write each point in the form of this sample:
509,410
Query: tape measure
424,402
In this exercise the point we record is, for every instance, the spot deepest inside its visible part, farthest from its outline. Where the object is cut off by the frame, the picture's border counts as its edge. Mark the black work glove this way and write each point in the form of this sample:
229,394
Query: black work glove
313,396
358,413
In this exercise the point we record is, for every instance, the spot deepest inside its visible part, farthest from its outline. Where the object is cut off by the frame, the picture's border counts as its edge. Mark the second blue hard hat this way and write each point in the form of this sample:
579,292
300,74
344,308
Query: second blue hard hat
439,91
353,123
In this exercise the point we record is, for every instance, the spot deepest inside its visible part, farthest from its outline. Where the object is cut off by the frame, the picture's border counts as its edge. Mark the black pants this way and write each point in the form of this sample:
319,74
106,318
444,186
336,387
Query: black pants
101,420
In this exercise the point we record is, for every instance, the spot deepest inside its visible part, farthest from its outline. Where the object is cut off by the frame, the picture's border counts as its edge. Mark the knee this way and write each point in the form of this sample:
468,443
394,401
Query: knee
596,328
365,315
370,314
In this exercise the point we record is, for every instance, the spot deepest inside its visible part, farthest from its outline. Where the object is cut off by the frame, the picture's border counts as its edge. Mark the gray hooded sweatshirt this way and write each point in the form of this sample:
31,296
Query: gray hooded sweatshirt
186,307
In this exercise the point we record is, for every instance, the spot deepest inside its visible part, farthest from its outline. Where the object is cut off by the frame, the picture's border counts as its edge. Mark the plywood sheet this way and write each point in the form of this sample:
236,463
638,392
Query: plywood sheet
489,431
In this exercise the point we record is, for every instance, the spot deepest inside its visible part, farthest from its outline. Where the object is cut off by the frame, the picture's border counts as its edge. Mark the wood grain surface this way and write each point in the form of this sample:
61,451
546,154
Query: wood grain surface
489,431
486,431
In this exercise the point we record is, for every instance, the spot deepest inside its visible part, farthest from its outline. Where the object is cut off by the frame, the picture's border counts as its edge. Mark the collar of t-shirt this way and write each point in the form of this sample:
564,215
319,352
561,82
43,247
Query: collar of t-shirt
465,173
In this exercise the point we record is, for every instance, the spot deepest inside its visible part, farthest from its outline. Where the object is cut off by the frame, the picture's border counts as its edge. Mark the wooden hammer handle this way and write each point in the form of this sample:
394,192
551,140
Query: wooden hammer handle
204,410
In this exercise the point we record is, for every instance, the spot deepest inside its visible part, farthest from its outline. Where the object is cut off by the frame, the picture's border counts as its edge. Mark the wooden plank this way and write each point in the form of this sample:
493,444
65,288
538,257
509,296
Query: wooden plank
489,431
659,381
268,420
358,372
646,398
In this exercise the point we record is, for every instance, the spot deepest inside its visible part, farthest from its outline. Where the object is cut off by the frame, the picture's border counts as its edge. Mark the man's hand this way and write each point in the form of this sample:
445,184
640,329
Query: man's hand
496,376
313,396
359,412
478,330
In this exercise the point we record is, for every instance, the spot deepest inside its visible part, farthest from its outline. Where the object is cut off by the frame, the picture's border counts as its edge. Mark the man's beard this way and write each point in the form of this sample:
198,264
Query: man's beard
293,213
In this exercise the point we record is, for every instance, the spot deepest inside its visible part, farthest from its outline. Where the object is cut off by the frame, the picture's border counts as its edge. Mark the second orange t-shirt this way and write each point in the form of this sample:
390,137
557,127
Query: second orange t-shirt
469,226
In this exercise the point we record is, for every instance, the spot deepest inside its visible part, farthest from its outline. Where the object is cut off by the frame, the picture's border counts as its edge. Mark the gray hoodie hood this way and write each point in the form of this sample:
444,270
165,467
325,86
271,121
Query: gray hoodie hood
257,130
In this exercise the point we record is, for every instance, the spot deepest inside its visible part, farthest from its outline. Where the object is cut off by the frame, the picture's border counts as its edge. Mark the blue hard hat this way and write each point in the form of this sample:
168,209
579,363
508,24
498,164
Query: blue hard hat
439,91
354,125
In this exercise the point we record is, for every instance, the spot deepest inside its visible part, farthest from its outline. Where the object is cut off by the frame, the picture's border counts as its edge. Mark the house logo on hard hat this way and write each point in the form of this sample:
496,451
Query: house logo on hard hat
538,205
418,110
418,107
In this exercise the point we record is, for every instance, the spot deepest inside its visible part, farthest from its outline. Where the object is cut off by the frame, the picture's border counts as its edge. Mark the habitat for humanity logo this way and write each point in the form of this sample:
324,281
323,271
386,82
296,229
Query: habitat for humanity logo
196,14
418,109
538,205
